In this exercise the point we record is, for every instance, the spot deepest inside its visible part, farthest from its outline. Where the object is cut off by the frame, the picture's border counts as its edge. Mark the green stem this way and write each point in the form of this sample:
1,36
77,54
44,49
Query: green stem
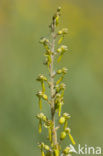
54,133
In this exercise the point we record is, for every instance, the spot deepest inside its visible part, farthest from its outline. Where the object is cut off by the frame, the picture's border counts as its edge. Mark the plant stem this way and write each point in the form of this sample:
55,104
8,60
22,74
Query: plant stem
54,133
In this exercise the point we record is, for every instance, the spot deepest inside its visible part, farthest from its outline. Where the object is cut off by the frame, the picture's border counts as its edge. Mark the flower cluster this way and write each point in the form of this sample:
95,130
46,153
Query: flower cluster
56,97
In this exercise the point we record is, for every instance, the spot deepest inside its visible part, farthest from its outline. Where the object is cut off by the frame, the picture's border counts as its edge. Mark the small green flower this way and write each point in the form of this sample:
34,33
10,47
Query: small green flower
60,87
61,51
63,31
42,78
62,71
42,117
41,95
66,115
44,41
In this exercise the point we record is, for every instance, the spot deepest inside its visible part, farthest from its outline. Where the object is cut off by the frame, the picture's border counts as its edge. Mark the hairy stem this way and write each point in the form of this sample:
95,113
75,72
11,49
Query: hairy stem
54,134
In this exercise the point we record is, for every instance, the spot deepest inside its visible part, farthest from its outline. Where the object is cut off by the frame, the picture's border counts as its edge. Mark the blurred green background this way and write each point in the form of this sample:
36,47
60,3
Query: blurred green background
22,23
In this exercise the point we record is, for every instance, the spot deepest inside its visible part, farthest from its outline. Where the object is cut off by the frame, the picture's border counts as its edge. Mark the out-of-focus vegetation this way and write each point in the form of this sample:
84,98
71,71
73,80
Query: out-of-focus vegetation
21,25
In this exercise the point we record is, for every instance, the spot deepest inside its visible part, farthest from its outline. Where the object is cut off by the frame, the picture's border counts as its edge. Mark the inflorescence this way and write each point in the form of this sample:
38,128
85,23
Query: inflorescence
56,97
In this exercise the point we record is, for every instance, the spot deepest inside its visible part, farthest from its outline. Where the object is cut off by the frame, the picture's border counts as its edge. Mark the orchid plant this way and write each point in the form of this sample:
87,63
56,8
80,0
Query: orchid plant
55,99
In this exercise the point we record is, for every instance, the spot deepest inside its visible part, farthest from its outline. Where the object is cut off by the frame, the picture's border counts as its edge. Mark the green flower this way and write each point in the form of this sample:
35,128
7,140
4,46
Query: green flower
63,31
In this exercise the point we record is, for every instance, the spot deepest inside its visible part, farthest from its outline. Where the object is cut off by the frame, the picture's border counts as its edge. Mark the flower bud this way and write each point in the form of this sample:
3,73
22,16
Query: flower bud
59,9
59,71
62,120
42,117
60,32
62,49
56,152
63,70
41,78
59,50
45,97
46,147
63,135
67,130
44,41
66,150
